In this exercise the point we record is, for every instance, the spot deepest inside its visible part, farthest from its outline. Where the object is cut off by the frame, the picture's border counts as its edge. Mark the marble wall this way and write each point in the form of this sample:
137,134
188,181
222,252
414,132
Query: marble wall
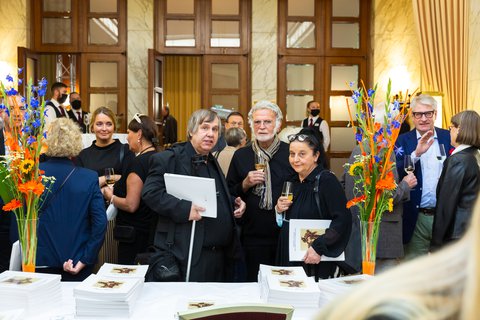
395,46
264,50
14,31
139,40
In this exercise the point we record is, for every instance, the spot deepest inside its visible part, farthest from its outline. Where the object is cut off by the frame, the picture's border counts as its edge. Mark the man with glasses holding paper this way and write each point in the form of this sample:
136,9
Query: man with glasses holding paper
213,246
423,145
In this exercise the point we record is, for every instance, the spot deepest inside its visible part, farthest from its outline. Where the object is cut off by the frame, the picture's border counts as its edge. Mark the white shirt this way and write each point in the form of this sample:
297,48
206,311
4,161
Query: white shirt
50,114
431,170
324,129
460,148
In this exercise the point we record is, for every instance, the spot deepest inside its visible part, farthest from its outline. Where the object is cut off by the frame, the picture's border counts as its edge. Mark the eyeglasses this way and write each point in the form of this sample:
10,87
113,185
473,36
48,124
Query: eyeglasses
302,138
137,116
419,115
266,123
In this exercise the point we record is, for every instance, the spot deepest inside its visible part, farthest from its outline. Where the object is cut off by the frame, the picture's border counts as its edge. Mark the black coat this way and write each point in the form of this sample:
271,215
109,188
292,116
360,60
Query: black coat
457,191
171,209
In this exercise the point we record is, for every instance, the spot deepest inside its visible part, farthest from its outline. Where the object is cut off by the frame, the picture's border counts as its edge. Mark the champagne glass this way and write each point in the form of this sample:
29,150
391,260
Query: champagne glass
287,190
109,177
259,163
408,164
260,166
86,121
441,155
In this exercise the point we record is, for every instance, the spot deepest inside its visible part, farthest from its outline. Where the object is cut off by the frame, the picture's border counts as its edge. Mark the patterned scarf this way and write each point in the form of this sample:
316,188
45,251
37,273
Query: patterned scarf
264,191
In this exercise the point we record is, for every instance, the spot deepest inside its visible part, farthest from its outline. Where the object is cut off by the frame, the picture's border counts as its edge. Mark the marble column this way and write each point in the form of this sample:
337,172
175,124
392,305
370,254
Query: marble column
395,47
139,40
14,30
264,50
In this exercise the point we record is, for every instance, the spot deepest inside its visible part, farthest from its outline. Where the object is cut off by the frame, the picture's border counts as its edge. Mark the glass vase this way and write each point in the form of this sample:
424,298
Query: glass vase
369,236
27,235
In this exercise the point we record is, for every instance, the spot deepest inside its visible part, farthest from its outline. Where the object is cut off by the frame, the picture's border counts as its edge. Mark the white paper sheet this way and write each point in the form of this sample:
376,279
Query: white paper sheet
201,191
301,232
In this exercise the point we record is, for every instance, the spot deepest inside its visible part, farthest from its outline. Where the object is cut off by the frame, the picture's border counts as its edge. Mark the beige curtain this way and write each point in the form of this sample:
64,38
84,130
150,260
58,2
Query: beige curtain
442,26
183,89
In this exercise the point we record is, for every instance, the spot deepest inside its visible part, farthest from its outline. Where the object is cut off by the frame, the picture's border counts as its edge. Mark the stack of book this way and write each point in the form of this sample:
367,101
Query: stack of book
331,288
113,291
32,292
288,285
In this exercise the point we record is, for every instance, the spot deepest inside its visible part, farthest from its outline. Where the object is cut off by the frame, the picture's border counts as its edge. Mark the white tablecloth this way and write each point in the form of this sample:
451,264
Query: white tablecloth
164,300
88,138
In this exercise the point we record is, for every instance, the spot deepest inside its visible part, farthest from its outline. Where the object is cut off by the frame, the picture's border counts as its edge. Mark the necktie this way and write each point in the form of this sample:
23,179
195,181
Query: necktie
79,116
311,123
62,111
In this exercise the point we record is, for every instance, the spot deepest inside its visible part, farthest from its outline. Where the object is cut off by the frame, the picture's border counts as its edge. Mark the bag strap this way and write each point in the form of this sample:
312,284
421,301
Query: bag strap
122,153
58,190
316,189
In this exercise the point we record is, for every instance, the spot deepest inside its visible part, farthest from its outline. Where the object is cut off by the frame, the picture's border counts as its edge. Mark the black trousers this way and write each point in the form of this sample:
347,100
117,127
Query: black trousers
128,251
5,243
256,255
210,267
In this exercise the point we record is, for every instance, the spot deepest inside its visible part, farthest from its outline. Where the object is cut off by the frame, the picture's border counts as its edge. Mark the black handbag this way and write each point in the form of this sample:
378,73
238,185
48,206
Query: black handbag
162,264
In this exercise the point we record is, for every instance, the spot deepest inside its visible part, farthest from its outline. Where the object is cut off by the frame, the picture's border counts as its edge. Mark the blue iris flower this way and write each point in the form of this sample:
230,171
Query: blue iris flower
43,83
20,70
398,151
41,92
358,137
370,92
389,132
396,105
377,159
26,116
396,124
45,135
9,78
36,123
370,107
20,81
2,106
26,129
31,140
351,84
12,92
33,102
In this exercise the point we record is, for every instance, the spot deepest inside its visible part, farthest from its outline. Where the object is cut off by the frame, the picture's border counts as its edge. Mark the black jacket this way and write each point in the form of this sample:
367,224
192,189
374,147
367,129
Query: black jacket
171,209
457,191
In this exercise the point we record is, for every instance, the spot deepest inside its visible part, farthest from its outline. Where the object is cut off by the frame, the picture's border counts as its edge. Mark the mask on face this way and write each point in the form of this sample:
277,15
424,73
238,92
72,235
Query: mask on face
63,98
76,104
315,112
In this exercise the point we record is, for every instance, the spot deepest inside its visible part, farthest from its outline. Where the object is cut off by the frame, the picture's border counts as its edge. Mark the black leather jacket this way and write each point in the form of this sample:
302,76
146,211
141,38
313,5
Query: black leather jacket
457,191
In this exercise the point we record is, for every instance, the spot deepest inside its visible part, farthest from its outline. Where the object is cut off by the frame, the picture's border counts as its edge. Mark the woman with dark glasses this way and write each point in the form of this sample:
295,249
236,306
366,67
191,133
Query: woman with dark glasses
134,219
307,158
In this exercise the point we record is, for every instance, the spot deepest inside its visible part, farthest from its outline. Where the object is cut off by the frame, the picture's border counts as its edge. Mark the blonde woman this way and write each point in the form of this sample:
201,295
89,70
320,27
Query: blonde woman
444,285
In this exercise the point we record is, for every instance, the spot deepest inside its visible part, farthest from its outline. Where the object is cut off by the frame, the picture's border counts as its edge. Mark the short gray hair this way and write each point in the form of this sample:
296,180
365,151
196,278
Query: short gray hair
234,136
198,117
424,99
265,104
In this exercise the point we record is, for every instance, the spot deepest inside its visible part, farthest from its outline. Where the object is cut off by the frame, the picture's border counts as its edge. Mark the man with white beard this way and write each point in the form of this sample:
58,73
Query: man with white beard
256,174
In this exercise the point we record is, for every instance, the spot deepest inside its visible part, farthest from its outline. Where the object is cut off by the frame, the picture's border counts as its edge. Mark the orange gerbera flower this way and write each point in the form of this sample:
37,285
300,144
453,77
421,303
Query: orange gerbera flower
388,183
34,186
354,201
12,205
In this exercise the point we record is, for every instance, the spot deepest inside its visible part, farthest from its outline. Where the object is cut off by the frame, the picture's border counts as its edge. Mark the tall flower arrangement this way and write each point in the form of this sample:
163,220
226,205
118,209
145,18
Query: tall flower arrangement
372,170
22,183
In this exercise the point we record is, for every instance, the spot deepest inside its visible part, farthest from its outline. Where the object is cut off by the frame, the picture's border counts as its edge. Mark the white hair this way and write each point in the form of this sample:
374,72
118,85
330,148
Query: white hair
265,104
424,99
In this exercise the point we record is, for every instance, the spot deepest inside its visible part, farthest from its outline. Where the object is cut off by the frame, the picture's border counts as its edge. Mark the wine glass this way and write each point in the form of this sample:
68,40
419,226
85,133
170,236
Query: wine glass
109,177
441,155
408,164
287,190
86,121
259,166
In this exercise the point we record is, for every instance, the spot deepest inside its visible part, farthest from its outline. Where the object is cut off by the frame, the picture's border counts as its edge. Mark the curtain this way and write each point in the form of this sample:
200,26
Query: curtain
183,89
442,26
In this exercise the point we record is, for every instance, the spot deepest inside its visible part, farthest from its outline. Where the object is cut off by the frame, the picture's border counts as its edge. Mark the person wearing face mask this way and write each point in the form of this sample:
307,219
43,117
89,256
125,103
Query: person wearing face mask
314,120
53,107
76,113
